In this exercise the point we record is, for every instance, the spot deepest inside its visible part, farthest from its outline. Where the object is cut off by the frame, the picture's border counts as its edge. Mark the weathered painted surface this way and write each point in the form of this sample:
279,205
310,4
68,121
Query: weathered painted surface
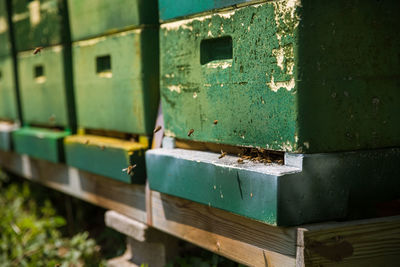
116,81
321,187
43,87
106,156
5,44
171,9
39,23
40,143
97,17
297,76
8,99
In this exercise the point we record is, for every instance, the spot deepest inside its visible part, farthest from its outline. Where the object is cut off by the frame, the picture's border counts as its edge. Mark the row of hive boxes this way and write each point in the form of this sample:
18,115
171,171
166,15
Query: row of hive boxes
256,75
258,65
106,82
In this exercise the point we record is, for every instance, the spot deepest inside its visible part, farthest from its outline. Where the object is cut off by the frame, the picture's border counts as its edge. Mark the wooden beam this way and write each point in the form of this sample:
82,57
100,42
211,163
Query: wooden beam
101,191
243,240
373,242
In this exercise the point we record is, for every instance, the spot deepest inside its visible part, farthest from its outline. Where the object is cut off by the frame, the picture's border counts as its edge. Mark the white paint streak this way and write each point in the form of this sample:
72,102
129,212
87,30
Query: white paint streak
280,56
176,88
275,86
220,64
34,12
3,25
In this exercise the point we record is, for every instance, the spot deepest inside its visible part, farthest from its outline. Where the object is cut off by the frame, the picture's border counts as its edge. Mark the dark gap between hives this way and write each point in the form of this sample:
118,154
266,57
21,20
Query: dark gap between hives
114,134
248,153
53,127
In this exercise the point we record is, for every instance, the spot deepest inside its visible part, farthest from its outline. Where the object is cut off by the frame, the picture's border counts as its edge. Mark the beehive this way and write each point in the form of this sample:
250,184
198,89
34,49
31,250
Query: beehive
290,77
116,86
316,81
44,67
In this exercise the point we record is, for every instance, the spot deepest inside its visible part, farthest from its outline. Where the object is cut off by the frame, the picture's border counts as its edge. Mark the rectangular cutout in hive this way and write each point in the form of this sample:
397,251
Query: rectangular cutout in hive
39,74
103,66
216,49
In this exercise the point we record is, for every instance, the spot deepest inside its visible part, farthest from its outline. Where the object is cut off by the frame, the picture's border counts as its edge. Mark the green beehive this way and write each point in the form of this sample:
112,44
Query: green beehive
317,80
43,87
39,23
116,81
296,76
46,99
116,90
97,17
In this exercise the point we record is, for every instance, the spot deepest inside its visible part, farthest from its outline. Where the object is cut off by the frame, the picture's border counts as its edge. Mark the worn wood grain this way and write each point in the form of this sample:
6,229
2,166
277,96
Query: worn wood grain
243,240
102,191
373,242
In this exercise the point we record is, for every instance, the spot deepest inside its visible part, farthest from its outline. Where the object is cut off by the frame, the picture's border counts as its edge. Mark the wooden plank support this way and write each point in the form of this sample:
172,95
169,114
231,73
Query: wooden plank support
144,243
372,242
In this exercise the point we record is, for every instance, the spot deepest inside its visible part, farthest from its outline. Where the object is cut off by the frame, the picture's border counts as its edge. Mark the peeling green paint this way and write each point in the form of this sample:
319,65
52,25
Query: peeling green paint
304,77
172,9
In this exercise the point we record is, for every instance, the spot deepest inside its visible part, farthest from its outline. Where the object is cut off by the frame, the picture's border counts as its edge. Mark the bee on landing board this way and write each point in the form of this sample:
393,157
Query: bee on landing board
223,154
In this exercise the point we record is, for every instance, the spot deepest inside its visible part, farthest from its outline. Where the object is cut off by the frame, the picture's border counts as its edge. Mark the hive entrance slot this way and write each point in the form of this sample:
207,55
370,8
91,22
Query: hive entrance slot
103,66
216,49
38,74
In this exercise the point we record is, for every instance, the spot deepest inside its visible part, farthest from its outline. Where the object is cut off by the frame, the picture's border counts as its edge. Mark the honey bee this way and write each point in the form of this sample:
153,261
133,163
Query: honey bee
86,142
215,122
240,161
129,169
223,154
102,147
157,129
191,131
37,50
52,118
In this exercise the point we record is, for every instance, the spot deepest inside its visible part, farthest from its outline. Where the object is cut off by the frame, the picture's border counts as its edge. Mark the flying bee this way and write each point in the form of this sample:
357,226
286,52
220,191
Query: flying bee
215,122
86,142
129,169
191,131
223,154
157,129
37,50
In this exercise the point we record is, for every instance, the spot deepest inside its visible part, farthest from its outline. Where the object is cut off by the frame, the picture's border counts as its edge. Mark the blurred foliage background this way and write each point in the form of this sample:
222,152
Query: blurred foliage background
43,227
